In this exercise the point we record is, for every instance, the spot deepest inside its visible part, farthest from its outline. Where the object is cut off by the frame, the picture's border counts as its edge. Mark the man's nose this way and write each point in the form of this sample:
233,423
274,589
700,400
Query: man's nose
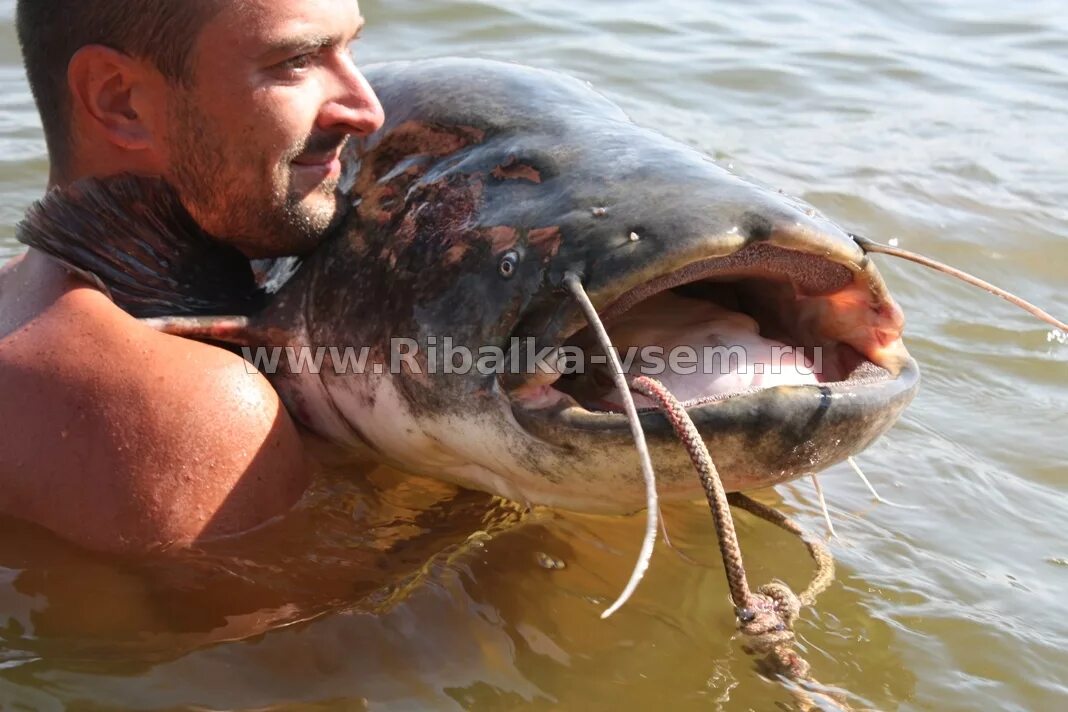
353,107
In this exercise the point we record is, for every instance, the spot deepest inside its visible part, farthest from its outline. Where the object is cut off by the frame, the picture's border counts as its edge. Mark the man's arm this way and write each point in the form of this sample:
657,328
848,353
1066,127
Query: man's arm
120,438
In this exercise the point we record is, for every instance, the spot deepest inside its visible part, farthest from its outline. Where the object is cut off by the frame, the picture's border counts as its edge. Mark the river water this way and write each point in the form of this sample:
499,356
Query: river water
939,124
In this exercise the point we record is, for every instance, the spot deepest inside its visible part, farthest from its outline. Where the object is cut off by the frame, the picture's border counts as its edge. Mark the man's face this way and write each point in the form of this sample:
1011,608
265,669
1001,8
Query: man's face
253,143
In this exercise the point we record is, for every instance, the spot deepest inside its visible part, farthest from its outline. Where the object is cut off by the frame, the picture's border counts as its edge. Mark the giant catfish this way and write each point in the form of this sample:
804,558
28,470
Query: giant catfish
486,185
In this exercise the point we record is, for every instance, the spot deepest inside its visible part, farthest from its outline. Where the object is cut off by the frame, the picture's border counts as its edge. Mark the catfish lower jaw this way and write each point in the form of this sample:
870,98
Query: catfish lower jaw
757,439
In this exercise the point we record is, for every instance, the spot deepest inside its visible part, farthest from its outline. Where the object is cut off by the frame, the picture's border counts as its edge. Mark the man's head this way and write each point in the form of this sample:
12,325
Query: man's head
242,104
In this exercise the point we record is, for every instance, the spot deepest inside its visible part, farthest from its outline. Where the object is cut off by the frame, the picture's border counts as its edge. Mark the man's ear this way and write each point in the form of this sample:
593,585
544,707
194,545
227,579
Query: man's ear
108,91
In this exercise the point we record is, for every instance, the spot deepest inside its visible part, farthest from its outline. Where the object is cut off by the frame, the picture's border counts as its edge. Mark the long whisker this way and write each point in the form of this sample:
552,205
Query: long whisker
871,488
823,506
872,246
574,284
667,540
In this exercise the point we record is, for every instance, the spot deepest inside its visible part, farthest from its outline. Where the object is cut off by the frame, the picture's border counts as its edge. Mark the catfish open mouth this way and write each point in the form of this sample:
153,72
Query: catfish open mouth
726,327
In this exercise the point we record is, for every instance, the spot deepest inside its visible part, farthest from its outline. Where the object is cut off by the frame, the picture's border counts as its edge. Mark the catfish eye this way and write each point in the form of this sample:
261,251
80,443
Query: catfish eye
509,264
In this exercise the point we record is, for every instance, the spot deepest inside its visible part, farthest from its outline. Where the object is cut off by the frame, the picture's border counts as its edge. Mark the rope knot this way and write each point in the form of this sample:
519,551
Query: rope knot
786,602
763,625
767,623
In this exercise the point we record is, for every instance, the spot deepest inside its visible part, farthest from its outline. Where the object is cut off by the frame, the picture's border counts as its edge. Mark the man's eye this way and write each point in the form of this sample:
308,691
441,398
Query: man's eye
302,61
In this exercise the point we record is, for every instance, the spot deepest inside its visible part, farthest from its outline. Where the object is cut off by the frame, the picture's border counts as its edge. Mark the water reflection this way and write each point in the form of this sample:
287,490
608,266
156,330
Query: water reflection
354,541
375,590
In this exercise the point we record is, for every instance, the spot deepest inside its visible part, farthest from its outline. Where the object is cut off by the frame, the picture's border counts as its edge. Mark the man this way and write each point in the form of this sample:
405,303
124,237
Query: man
112,435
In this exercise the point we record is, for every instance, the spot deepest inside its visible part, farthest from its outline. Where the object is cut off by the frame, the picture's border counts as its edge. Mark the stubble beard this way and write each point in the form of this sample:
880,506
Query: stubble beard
262,220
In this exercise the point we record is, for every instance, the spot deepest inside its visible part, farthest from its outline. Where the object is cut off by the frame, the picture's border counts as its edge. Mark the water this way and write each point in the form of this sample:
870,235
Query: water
941,126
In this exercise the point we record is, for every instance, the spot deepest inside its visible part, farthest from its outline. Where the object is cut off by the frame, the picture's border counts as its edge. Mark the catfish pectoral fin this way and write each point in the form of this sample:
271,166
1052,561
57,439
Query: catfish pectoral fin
133,235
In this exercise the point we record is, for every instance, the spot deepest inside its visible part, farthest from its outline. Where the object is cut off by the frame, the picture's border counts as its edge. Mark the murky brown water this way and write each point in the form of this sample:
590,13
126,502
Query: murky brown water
941,126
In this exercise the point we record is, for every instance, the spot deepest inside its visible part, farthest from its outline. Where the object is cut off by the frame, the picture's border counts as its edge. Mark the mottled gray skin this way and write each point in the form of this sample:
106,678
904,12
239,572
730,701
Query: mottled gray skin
479,158
479,162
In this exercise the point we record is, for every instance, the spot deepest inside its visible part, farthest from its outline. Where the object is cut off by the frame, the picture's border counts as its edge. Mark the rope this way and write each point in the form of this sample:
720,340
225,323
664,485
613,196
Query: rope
766,616
820,554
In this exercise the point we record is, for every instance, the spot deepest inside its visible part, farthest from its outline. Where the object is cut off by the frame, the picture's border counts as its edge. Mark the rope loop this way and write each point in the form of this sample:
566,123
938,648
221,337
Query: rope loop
765,616
786,602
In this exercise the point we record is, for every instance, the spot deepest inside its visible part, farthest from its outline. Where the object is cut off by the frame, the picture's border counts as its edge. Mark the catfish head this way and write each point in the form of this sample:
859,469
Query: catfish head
490,182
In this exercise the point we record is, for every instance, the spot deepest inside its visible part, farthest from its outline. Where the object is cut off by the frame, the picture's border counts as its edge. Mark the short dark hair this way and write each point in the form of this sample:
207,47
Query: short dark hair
51,32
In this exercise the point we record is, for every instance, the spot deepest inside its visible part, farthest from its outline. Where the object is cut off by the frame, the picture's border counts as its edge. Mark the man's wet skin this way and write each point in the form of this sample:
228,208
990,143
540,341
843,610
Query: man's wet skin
115,436
332,550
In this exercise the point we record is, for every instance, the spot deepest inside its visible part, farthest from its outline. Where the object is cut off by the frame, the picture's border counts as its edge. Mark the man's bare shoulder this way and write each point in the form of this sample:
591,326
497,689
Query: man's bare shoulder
122,438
